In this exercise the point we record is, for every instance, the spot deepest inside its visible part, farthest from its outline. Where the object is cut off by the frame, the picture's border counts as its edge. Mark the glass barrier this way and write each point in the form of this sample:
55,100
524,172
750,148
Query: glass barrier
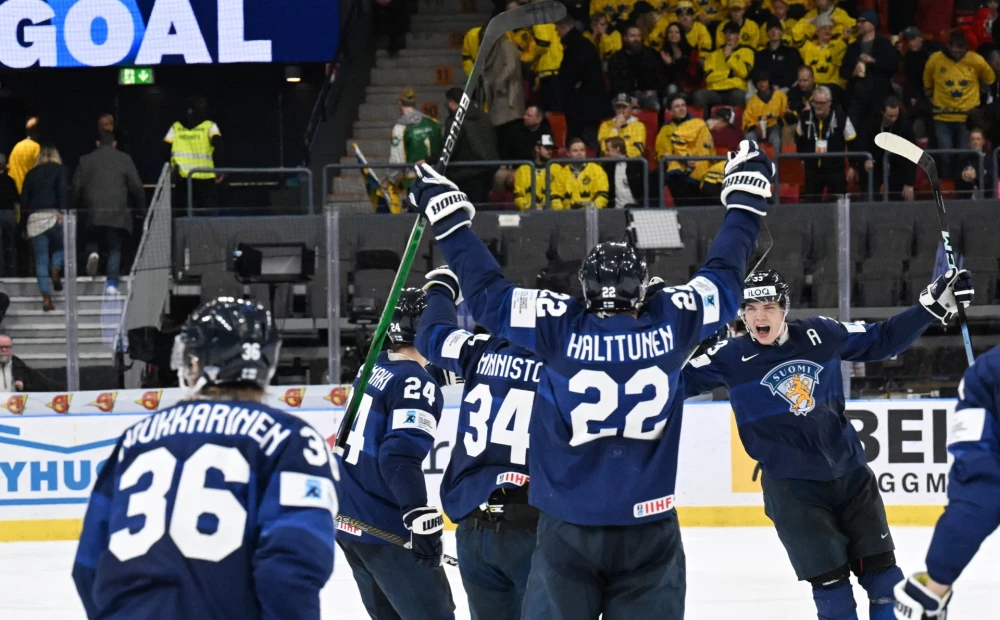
246,191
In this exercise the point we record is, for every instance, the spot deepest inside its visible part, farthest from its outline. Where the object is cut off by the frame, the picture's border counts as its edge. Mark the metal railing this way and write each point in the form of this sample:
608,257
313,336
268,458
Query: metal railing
980,174
661,168
298,170
511,163
597,160
846,155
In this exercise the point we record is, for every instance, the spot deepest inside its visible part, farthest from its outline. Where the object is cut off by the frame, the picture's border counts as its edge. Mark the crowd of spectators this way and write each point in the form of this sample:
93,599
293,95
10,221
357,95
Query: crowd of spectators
813,77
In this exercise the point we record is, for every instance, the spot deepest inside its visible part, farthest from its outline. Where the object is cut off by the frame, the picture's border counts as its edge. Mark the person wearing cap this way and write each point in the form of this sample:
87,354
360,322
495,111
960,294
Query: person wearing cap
522,178
581,184
765,112
916,52
684,135
635,70
842,23
869,65
416,138
726,72
695,32
749,31
547,57
952,82
781,10
825,55
779,60
724,134
605,39
625,126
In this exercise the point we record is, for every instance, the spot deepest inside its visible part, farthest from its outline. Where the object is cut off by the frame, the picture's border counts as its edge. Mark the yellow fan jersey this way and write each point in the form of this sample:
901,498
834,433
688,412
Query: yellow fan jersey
633,133
758,110
578,188
608,45
723,74
953,87
689,137
470,49
522,188
548,52
709,8
825,61
716,173
525,43
750,35
843,27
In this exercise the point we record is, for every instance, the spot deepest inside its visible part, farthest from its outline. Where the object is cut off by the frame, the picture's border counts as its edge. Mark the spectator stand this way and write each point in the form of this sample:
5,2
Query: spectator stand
332,170
309,201
563,161
847,155
947,185
661,169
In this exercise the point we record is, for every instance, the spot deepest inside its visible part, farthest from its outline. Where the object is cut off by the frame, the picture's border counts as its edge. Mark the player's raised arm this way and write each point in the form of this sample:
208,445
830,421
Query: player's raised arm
439,338
973,510
295,548
716,290
703,373
95,534
884,339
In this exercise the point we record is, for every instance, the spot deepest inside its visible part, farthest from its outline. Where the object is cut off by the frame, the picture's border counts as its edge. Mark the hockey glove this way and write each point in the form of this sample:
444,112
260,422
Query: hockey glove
445,280
942,296
749,175
915,602
425,525
446,208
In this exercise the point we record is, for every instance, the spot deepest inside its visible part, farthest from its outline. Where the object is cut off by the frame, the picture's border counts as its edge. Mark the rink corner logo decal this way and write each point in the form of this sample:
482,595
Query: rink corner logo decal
795,382
60,403
15,404
150,400
105,401
653,507
293,397
337,396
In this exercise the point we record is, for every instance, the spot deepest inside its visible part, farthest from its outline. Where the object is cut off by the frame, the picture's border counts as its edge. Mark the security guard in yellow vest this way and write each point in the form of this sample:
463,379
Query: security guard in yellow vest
195,142
580,185
544,149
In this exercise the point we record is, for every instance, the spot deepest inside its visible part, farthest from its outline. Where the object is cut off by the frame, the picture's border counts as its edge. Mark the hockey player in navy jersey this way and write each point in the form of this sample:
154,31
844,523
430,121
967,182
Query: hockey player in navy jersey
485,487
786,391
382,481
220,506
973,510
607,417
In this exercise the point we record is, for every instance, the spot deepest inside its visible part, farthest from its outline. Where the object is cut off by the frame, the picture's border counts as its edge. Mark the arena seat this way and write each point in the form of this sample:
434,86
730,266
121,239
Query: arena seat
373,283
880,282
890,232
558,122
792,231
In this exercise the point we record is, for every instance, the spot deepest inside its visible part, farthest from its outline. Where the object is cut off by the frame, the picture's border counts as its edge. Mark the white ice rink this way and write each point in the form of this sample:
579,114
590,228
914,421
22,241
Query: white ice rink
732,573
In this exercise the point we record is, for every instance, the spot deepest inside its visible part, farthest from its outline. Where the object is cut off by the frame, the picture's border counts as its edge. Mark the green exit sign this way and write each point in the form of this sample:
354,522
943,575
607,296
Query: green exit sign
132,76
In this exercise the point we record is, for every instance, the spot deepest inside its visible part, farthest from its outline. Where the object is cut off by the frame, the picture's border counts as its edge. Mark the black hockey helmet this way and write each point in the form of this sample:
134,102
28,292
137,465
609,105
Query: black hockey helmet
766,286
412,303
613,277
232,340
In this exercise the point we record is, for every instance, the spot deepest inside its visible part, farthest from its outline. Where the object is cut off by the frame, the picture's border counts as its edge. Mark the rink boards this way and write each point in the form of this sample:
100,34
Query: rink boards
48,463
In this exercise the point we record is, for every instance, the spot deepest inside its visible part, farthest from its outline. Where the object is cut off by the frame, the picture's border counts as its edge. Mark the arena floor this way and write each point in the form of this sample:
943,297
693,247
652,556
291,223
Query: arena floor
732,573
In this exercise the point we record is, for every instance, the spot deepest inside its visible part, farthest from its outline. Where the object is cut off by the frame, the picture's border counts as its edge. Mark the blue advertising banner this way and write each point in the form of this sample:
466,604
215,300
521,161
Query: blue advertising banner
100,33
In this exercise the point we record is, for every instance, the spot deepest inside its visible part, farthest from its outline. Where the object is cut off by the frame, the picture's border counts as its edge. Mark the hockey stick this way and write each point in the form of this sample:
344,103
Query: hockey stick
522,16
387,536
906,149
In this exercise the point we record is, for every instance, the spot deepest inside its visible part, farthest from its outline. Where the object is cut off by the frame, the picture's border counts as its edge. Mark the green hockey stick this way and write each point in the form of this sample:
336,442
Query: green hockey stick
523,16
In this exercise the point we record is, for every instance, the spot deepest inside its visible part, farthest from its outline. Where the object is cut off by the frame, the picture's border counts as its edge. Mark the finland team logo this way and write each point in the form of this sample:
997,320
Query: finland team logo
796,382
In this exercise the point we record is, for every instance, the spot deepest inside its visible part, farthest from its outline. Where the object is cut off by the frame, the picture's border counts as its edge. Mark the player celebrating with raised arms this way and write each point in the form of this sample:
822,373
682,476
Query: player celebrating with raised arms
382,481
485,487
220,506
786,390
973,510
607,418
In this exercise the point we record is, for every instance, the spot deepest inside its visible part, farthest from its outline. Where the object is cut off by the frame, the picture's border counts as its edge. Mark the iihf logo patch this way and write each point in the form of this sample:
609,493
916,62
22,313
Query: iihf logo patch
796,382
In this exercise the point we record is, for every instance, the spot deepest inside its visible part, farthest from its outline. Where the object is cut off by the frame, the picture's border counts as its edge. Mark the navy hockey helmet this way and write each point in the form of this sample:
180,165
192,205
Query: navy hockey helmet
232,341
412,303
613,277
766,286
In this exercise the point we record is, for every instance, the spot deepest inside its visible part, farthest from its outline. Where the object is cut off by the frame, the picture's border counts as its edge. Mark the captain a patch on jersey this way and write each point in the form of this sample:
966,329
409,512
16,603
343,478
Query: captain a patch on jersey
796,382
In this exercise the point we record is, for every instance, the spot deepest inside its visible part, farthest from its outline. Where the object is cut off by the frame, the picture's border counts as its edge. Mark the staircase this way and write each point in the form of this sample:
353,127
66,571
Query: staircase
40,337
431,64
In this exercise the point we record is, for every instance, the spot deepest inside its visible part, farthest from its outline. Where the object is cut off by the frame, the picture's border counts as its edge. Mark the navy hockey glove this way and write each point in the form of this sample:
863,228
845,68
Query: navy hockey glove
942,296
446,208
915,602
445,280
425,525
749,175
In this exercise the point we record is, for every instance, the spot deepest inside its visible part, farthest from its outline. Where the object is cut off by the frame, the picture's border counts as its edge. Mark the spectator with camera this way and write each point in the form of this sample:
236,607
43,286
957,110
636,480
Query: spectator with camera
825,128
726,72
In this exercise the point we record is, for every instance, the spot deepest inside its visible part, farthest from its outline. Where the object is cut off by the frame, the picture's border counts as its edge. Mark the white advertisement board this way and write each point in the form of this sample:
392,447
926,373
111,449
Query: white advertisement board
48,463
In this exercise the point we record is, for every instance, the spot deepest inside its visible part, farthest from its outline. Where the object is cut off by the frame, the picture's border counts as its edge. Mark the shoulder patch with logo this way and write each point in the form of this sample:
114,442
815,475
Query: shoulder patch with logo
795,382
298,490
453,343
416,419
709,299
966,425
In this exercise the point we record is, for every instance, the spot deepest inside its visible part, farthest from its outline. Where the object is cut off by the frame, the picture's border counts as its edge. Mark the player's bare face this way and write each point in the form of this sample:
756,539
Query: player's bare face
765,319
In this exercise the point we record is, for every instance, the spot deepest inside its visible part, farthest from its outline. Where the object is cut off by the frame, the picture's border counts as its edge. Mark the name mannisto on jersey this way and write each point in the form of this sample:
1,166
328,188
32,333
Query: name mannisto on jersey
508,367
621,347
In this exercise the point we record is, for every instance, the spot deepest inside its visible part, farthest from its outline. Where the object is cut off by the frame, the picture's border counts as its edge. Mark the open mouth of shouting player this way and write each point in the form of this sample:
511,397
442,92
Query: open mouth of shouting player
765,320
